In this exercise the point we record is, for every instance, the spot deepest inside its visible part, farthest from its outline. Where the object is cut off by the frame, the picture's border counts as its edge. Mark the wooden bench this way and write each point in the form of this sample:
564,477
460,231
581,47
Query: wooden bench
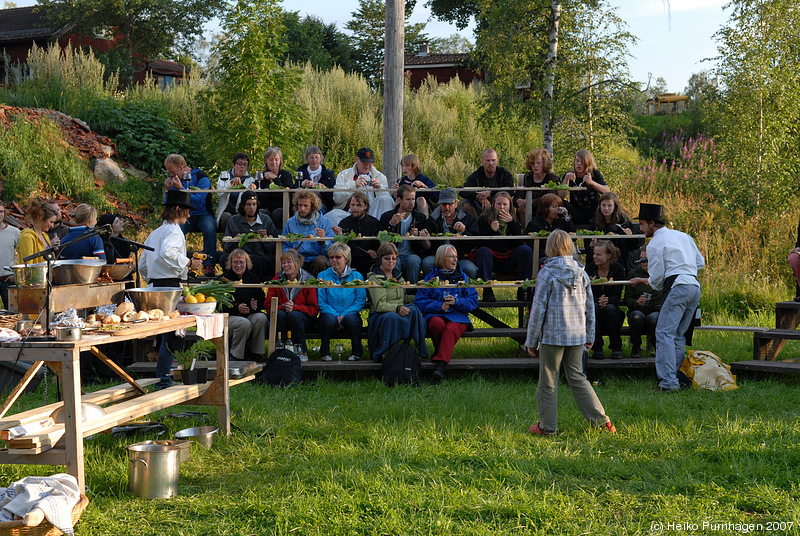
760,366
767,344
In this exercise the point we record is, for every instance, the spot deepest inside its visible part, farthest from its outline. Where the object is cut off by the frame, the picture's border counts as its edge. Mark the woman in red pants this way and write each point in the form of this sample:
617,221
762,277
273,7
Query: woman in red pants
446,309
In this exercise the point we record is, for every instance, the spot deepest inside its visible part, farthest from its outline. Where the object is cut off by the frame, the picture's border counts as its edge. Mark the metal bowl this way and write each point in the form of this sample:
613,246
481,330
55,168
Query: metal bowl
117,272
202,435
30,275
89,411
77,271
164,298
68,333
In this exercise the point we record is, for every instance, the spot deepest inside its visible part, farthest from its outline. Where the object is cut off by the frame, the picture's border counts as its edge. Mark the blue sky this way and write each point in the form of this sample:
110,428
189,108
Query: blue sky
670,46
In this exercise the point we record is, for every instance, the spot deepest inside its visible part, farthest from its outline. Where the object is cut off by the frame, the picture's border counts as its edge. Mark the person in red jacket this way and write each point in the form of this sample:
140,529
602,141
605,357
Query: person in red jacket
297,307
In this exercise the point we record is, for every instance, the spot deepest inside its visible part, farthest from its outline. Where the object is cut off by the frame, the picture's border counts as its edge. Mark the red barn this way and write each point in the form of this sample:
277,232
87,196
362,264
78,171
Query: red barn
443,67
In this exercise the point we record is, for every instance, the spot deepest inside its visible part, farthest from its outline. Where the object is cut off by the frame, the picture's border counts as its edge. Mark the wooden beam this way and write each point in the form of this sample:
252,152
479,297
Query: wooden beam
116,368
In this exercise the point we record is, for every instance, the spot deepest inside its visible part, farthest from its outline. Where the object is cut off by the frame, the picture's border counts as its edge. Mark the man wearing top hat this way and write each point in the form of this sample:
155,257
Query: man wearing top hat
364,176
674,261
167,265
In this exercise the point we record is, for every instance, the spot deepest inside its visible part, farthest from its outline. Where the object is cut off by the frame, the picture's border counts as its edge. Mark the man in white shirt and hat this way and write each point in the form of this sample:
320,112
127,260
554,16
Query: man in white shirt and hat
673,263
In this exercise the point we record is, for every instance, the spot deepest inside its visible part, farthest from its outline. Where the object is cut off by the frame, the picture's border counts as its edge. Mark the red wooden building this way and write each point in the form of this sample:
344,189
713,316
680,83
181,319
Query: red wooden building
443,67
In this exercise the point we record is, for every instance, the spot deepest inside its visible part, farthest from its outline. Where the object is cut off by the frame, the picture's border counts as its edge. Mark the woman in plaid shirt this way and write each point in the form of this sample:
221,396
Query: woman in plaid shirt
561,325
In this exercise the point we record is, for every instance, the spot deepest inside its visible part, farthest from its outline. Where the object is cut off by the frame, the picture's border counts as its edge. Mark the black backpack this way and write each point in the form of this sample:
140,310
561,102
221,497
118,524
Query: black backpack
284,368
401,365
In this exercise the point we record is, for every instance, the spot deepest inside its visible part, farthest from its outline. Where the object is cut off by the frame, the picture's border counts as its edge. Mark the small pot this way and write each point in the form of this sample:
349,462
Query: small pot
30,275
68,333
192,377
23,325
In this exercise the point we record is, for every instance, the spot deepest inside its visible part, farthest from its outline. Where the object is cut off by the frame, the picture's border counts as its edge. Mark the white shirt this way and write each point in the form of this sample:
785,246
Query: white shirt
224,183
169,259
9,240
345,179
672,252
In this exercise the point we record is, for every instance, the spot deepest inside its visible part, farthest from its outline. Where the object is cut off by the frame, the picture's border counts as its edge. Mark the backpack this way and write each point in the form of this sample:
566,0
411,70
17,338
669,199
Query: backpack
284,368
401,365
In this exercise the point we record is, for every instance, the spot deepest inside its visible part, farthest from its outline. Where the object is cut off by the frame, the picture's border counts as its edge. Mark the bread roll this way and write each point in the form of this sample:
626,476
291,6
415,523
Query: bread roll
175,314
155,314
164,318
130,316
141,315
112,319
124,307
94,319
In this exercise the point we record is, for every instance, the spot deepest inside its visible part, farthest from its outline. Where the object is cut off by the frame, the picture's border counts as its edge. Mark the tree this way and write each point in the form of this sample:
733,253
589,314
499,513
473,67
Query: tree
250,104
368,26
758,112
457,12
311,40
452,44
143,29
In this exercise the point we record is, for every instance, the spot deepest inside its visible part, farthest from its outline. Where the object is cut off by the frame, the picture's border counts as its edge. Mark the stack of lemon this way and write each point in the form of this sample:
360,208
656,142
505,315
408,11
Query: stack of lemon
199,298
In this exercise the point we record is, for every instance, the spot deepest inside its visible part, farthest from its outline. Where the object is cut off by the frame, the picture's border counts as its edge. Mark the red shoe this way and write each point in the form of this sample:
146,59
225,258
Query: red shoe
610,428
535,430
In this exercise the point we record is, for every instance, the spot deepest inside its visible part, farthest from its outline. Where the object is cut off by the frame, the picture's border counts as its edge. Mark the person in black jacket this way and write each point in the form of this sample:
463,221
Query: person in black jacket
316,175
405,220
607,299
272,202
247,326
448,217
489,175
584,173
502,256
611,219
550,215
114,247
362,224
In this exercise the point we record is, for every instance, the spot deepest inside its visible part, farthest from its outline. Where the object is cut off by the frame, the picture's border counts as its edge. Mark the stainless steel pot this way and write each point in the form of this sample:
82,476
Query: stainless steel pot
153,470
77,271
117,272
202,435
68,333
30,275
164,298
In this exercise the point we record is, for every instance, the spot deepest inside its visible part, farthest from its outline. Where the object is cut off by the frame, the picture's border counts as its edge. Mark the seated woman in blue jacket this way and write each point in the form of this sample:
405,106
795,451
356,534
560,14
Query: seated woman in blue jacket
446,309
339,307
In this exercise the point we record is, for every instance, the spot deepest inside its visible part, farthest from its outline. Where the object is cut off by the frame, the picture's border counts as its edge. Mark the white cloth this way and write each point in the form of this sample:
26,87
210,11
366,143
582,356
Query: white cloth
224,183
56,495
672,252
210,326
9,240
345,179
169,259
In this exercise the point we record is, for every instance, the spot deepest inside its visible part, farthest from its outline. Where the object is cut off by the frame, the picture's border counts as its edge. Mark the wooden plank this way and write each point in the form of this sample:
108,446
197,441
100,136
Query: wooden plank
735,329
152,328
116,368
55,456
23,383
770,367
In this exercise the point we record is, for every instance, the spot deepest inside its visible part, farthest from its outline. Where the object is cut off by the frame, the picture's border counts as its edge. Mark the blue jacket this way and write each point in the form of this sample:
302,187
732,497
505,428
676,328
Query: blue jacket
308,249
201,201
430,299
92,247
340,301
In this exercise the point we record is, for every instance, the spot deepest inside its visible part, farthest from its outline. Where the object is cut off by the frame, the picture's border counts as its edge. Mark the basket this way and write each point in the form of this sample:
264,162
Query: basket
17,528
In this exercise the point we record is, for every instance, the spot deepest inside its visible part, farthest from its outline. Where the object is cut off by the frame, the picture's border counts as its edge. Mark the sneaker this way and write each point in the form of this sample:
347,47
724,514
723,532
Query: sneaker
636,351
598,354
535,430
488,295
303,357
610,428
326,358
438,374
354,357
616,354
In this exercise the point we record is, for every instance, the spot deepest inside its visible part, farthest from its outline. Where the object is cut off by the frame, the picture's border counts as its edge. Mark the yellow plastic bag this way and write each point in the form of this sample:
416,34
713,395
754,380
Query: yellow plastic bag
707,371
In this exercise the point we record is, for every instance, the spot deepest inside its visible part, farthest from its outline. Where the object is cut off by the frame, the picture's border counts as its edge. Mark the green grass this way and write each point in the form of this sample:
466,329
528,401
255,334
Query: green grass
359,458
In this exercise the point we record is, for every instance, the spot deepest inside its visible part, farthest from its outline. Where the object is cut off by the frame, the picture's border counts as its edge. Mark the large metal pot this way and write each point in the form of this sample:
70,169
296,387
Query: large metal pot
77,271
153,470
30,275
164,298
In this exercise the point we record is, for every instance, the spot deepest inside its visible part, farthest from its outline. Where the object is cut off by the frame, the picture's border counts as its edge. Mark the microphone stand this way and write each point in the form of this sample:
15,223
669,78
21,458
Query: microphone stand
50,255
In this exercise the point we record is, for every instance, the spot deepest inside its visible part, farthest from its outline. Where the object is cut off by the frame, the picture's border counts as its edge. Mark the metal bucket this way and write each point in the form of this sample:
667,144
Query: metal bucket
153,470
202,435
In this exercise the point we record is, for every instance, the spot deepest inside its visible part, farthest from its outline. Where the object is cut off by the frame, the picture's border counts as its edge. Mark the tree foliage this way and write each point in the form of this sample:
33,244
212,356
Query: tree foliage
143,29
250,105
311,40
758,112
368,26
452,44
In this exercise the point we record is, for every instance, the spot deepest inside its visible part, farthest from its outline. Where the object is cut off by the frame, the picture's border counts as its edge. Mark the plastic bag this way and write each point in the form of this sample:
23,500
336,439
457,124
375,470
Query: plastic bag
707,371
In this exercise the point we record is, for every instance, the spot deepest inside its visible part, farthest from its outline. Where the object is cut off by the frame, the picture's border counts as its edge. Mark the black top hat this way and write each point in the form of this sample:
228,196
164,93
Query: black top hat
178,198
651,211
366,155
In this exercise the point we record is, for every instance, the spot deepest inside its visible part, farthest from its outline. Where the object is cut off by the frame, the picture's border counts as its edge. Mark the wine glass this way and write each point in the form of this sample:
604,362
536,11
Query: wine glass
339,349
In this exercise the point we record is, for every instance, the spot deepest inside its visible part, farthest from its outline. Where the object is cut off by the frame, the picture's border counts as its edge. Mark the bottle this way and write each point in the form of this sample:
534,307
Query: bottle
289,345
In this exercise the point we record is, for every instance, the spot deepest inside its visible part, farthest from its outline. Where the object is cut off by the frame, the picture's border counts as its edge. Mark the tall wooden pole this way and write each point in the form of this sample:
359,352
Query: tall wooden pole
393,89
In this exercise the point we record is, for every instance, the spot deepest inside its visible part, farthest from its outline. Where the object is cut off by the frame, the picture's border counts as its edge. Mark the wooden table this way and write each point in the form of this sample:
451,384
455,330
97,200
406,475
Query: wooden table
127,401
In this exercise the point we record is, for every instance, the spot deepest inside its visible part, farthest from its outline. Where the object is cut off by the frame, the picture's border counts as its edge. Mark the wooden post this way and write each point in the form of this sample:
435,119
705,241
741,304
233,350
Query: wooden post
393,89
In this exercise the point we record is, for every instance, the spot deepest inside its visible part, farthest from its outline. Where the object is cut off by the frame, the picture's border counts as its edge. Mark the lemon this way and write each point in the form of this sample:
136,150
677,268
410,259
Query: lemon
210,299
200,297
190,299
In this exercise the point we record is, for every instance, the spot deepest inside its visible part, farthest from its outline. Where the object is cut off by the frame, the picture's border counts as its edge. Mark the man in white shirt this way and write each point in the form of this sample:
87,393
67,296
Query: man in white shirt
9,239
674,261
362,175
